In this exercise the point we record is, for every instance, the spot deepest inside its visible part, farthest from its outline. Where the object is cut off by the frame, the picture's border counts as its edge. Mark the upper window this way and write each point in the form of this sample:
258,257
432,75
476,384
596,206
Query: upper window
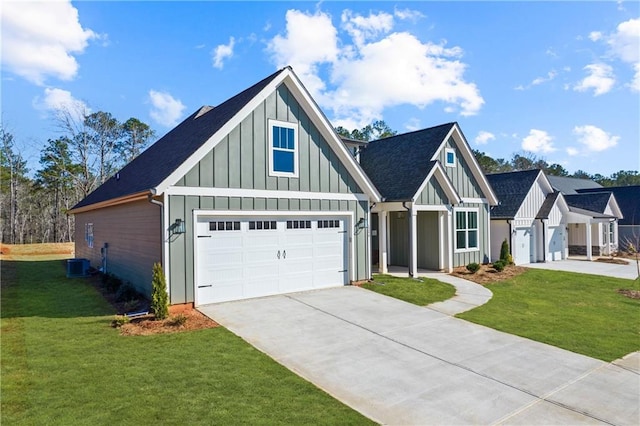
88,234
466,230
283,149
450,157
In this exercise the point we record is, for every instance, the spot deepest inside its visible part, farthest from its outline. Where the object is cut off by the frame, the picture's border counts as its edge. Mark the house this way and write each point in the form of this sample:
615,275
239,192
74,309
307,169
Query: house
544,218
434,211
592,227
628,199
256,196
531,216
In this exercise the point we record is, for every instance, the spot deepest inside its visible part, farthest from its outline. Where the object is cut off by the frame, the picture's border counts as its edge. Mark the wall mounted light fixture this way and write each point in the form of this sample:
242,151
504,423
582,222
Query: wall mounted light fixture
178,227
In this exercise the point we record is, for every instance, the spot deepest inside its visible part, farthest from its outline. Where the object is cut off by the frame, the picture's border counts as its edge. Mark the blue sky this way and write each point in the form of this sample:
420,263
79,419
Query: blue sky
560,80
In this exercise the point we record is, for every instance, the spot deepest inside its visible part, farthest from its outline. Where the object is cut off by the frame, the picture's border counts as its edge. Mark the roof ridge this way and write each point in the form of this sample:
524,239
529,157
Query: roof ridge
414,131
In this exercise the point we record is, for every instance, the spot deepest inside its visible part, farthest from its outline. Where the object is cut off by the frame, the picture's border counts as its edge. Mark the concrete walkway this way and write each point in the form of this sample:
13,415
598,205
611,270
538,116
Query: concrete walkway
628,271
468,294
398,363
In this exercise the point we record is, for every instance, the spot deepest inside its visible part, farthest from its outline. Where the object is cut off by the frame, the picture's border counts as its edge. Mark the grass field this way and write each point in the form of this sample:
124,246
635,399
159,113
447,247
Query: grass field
63,364
419,292
579,312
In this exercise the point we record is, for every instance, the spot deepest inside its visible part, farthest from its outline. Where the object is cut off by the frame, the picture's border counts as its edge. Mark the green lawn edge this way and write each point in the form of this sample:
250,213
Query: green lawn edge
421,291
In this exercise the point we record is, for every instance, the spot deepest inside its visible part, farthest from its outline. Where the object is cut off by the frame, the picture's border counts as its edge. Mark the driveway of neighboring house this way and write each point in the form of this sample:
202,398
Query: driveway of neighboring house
399,363
628,271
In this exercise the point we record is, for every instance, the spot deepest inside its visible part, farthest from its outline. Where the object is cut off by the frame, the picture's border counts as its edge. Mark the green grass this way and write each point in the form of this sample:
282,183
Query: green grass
579,312
419,292
63,364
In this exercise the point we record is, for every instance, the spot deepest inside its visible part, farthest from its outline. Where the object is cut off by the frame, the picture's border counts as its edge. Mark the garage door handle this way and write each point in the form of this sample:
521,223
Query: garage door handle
203,286
278,254
284,254
204,236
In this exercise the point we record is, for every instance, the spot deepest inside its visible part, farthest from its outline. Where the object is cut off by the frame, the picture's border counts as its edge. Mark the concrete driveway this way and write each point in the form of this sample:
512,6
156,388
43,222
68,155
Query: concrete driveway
398,363
628,271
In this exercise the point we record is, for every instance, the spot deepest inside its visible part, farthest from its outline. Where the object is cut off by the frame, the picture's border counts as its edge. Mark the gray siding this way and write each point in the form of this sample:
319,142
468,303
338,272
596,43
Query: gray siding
399,238
479,256
460,176
432,194
134,234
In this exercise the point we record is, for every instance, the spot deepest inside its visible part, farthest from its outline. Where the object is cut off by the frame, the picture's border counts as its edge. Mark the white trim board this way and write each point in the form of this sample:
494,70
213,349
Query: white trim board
261,193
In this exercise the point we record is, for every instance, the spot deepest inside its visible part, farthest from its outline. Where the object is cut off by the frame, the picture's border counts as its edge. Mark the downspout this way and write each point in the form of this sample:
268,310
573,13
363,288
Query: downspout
409,260
510,238
161,204
544,241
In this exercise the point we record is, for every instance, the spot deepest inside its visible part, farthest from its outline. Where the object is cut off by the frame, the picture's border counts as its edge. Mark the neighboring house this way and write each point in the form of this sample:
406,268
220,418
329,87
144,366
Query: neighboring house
593,222
253,197
434,212
531,216
628,198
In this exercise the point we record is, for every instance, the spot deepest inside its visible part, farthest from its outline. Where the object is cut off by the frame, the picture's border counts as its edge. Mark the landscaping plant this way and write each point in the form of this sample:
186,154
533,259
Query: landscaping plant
504,251
498,265
159,296
473,267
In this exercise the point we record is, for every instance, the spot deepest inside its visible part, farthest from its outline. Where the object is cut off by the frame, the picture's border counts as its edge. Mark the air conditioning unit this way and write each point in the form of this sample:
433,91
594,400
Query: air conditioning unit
77,268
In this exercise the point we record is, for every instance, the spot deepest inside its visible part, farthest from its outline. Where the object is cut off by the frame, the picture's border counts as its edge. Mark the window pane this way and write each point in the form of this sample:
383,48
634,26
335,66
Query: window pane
461,240
290,139
236,226
450,158
473,220
308,224
212,226
473,239
461,220
276,137
283,161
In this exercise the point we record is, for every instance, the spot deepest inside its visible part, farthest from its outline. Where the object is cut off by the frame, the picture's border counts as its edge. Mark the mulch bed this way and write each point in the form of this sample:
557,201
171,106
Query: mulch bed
632,294
487,275
614,260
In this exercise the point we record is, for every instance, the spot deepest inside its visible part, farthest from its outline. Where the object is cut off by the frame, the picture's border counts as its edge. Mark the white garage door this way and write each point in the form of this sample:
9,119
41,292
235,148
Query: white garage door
240,258
524,243
556,242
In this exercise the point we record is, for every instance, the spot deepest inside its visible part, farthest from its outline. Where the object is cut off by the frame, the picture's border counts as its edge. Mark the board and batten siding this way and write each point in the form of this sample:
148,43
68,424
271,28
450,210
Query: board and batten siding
531,203
481,255
133,233
461,177
432,194
241,161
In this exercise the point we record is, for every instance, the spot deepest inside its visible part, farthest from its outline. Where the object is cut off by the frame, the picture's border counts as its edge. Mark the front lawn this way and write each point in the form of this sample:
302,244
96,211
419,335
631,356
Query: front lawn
579,312
420,292
62,363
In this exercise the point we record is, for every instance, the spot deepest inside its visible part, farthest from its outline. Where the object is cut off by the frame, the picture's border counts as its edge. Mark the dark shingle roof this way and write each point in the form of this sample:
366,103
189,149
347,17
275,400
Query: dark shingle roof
594,202
398,165
568,185
628,199
547,205
511,188
162,158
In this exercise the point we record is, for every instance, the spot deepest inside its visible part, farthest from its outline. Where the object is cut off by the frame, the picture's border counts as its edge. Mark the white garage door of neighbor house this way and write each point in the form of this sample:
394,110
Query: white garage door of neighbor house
556,242
241,258
524,242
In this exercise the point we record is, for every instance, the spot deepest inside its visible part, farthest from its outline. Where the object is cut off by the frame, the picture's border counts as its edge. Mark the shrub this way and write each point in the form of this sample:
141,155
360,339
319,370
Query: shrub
504,250
120,320
498,265
509,260
178,320
473,267
159,296
126,293
111,282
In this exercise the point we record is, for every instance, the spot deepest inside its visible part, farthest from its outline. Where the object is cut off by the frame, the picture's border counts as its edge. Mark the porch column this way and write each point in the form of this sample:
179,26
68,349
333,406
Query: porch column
413,242
588,240
545,240
448,239
615,235
382,242
442,241
607,238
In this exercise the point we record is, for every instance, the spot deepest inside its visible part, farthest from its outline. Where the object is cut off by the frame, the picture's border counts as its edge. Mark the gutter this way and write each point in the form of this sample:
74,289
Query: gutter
114,202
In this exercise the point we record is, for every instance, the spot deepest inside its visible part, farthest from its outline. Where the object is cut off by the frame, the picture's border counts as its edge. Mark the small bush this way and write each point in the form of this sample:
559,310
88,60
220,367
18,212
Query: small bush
509,260
498,265
178,320
120,320
504,250
159,296
473,267
127,292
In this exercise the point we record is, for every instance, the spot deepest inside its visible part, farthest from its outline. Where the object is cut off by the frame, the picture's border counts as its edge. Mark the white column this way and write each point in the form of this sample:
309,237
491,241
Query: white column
607,239
382,242
615,241
413,242
545,243
449,247
588,239
442,241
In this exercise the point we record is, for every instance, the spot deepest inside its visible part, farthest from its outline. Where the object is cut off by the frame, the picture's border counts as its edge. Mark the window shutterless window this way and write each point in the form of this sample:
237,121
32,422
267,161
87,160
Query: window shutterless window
466,230
88,234
450,157
283,149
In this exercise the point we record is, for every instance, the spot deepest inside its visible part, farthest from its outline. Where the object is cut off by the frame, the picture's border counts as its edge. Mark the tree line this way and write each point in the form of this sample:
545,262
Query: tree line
93,146
89,149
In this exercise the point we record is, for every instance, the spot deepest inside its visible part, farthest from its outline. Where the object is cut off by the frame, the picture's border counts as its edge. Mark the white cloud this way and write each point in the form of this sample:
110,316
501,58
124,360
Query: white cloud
222,52
635,83
625,42
600,79
166,110
412,15
595,139
572,151
40,39
413,124
595,35
538,141
484,137
60,101
539,80
378,69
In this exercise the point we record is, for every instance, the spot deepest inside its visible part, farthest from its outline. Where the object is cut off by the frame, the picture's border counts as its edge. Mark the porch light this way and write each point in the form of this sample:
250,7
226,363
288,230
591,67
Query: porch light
178,227
362,223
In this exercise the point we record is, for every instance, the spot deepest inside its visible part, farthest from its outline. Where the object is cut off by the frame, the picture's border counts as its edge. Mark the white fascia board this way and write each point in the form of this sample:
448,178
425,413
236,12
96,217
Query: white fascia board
544,182
615,208
260,193
444,182
328,133
221,133
465,149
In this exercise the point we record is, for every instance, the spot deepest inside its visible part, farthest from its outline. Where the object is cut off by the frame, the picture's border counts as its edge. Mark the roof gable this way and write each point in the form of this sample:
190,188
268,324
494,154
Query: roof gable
511,188
596,202
627,197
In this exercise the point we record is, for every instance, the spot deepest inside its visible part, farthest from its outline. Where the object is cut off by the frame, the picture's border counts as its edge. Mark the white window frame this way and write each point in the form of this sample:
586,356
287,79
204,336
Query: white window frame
88,234
448,151
296,149
466,210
